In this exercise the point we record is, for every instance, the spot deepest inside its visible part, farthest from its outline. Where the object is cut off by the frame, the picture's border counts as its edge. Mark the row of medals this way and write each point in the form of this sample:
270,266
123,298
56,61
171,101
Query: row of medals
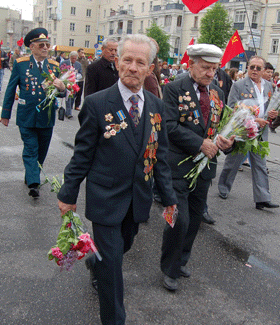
151,148
183,107
33,83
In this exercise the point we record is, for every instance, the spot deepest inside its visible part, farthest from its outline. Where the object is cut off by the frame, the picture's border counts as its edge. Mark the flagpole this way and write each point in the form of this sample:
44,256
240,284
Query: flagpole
250,29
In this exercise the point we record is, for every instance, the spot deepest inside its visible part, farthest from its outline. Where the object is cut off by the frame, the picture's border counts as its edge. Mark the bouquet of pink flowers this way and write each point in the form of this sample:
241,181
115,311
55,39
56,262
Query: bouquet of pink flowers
239,123
72,242
68,76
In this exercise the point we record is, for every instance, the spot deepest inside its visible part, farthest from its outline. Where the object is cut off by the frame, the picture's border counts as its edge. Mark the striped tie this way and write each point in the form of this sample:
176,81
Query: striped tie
134,110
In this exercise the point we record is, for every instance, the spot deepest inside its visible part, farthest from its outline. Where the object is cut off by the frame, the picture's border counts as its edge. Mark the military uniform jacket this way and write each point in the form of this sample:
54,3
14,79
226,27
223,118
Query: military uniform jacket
26,74
185,125
118,171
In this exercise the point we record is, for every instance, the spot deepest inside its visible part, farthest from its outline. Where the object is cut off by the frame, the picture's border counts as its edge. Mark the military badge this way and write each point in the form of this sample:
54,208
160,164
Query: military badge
109,117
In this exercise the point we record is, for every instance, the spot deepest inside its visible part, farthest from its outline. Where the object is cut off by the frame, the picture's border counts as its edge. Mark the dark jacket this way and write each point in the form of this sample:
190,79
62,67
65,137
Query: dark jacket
115,167
100,76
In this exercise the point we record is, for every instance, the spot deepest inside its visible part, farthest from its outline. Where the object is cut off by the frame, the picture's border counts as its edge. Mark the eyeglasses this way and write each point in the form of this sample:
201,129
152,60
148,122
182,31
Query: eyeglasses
252,67
42,45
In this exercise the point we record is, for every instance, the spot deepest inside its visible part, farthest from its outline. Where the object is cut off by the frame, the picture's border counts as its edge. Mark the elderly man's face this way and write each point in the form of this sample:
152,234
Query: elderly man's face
40,50
255,69
133,65
73,59
110,51
203,72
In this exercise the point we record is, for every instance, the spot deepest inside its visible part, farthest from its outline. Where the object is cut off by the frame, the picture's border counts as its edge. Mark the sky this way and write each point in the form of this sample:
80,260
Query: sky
26,7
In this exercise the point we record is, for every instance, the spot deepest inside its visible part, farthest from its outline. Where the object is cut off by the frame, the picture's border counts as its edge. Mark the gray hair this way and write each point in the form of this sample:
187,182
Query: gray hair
139,39
108,40
257,57
73,53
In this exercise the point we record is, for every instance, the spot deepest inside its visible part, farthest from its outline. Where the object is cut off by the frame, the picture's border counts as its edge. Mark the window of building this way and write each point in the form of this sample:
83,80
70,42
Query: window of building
73,10
278,17
111,28
141,25
104,14
179,21
54,40
195,22
49,13
72,27
54,25
87,28
88,13
130,9
255,20
129,27
240,16
87,44
167,20
151,5
143,6
71,42
274,46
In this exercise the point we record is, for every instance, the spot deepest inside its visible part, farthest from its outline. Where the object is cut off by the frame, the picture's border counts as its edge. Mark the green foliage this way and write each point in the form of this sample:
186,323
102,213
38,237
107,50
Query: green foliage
158,34
216,27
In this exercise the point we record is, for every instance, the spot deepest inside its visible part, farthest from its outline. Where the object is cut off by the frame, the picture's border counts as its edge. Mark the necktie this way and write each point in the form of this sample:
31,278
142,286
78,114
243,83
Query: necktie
112,66
40,66
134,110
204,103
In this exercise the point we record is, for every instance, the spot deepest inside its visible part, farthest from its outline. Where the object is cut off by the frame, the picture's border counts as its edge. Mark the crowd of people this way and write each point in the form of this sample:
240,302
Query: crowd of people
133,135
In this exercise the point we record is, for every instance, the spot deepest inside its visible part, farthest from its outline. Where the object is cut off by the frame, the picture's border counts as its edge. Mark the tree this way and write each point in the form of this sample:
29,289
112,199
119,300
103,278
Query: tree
162,39
216,27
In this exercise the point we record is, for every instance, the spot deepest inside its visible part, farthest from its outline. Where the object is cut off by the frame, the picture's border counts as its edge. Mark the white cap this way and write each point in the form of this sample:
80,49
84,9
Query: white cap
207,52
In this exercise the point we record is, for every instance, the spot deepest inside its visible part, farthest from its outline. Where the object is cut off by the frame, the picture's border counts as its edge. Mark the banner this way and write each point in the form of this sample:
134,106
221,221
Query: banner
233,48
186,58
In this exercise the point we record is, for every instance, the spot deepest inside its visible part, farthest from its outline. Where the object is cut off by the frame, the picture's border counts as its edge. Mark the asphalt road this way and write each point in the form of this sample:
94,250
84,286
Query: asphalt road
235,264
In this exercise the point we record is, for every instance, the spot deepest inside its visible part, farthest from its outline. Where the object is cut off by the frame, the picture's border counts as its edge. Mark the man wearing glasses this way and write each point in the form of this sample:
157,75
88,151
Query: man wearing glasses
253,89
34,124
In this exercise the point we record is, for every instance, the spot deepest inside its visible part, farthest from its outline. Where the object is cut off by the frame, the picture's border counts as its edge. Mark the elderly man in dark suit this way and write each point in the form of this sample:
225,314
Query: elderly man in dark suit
121,146
34,124
72,61
194,107
102,73
258,90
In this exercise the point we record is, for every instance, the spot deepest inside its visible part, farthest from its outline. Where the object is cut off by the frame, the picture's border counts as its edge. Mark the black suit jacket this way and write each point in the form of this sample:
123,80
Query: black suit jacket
114,167
186,136
99,76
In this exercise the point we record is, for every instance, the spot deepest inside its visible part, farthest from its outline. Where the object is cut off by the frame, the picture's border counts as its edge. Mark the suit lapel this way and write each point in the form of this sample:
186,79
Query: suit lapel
116,104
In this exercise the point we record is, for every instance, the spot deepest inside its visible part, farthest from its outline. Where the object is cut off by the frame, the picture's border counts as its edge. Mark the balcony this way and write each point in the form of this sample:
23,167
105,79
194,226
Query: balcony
172,6
239,26
10,31
54,16
122,14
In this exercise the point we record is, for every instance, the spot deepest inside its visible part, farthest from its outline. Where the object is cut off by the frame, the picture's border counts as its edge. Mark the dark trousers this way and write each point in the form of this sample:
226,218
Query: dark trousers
178,241
275,123
36,143
112,243
79,94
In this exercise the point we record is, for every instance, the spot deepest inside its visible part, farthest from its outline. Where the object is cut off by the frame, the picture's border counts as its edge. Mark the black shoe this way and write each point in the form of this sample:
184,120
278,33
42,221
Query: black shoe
90,261
69,117
157,198
34,192
185,272
169,283
272,130
223,195
246,164
206,218
269,205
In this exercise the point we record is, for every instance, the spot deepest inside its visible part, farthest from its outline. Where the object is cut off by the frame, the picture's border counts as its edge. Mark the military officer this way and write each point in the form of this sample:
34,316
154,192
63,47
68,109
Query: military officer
34,124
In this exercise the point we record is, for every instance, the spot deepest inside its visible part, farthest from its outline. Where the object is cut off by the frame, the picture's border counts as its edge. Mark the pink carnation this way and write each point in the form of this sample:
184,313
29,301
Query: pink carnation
57,253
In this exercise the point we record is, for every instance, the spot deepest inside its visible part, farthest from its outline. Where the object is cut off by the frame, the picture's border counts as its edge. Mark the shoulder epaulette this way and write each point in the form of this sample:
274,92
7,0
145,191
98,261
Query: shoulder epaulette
23,59
53,62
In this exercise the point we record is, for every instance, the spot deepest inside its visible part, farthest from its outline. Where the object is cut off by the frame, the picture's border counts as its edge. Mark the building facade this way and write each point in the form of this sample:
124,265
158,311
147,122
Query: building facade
79,23
12,28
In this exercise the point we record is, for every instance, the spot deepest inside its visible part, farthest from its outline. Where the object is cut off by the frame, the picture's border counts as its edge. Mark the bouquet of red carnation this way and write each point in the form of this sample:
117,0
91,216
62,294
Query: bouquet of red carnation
68,76
72,242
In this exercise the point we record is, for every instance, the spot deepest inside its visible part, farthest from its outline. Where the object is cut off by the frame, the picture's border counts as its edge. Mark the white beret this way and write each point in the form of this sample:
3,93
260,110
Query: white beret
207,52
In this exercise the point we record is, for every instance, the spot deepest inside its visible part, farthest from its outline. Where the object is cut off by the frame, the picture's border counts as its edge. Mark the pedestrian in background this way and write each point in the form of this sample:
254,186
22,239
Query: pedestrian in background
84,63
4,59
102,73
15,56
35,127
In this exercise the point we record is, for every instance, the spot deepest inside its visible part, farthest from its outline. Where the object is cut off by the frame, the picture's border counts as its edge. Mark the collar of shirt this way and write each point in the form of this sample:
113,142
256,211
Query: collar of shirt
126,94
42,62
195,86
260,97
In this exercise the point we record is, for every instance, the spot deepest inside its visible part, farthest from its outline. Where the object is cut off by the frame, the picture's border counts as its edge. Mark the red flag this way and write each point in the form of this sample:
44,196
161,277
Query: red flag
196,5
1,43
186,58
233,48
20,42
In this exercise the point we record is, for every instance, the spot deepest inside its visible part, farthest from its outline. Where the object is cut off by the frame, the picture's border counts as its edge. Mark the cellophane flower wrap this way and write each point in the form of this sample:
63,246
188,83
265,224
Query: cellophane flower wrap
72,242
239,122
68,76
